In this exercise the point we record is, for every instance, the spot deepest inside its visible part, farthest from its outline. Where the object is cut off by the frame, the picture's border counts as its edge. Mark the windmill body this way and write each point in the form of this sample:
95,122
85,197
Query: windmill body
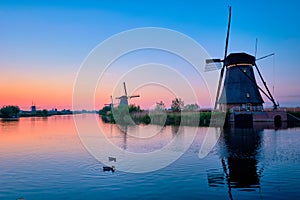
123,100
240,89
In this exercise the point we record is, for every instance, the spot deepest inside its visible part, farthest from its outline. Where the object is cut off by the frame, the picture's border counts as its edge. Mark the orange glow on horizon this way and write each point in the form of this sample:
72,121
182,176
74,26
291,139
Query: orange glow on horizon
47,92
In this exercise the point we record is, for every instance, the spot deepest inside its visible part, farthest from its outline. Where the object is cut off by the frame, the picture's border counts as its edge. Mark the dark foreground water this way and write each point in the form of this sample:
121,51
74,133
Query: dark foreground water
43,158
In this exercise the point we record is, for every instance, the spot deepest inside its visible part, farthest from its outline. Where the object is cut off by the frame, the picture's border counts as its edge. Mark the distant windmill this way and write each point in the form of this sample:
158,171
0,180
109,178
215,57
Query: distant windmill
125,97
110,104
240,88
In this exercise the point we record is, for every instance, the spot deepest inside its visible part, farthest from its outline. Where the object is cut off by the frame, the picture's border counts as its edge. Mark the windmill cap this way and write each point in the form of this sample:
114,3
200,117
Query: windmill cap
239,59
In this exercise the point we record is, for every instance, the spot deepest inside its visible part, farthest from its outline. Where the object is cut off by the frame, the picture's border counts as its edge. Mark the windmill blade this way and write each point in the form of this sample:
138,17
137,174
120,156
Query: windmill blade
109,104
209,61
134,96
271,54
256,41
265,84
228,31
125,88
212,64
111,99
212,67
219,86
225,55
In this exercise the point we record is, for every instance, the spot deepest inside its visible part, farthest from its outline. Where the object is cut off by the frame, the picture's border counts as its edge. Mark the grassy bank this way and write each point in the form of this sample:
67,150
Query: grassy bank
169,118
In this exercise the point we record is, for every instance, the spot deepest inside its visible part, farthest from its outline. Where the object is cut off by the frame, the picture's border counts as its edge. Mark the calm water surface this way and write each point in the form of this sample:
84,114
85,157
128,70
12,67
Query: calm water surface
43,158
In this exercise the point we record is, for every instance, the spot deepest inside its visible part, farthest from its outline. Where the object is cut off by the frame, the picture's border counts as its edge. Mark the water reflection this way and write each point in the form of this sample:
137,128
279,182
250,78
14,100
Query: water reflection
239,150
143,139
45,159
124,130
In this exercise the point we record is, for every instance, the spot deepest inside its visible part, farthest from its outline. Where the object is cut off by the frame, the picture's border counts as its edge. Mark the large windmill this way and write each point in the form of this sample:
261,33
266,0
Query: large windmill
240,89
125,97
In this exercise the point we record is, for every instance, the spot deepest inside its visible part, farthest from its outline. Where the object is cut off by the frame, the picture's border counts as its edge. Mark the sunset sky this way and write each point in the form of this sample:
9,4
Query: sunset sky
44,43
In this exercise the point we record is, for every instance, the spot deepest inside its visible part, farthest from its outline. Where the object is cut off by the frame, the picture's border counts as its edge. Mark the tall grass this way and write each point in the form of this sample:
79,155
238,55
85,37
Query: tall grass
169,118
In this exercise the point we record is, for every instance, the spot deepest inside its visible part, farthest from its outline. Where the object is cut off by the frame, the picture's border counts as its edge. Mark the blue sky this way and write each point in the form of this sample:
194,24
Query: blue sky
52,38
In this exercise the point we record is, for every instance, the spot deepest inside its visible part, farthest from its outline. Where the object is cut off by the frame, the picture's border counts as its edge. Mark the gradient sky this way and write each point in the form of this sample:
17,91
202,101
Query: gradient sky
43,43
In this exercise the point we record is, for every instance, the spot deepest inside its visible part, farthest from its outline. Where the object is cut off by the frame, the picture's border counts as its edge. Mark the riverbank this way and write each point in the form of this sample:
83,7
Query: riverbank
38,114
188,118
44,113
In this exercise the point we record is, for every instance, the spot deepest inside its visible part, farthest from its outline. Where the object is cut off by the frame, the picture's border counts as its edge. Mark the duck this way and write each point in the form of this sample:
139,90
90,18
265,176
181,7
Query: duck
106,168
112,159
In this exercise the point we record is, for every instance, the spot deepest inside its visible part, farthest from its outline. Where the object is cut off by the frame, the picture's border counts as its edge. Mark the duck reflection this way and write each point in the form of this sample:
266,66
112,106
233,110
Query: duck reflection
239,152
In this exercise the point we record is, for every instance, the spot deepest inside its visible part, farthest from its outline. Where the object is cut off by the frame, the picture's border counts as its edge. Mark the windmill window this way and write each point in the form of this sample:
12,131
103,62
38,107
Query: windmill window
248,95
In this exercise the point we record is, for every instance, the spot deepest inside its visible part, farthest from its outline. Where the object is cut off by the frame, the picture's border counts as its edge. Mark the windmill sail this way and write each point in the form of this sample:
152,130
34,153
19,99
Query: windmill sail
225,55
212,66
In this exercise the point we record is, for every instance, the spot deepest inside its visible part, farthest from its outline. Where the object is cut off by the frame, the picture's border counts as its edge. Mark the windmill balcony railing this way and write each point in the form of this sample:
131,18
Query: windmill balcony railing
247,109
